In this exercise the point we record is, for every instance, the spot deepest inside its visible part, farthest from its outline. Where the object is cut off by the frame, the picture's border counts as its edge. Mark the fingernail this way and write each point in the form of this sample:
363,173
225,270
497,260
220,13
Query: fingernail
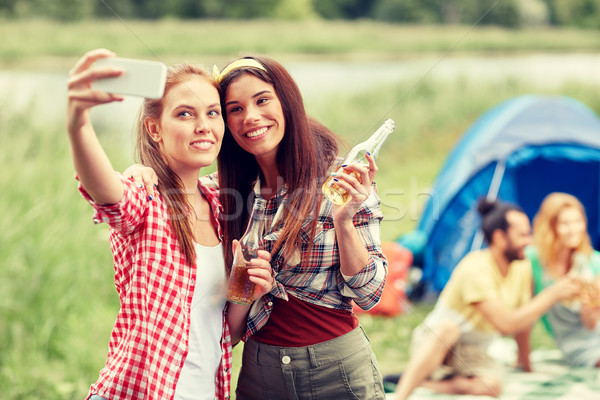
345,165
150,197
368,153
336,179
155,186
334,174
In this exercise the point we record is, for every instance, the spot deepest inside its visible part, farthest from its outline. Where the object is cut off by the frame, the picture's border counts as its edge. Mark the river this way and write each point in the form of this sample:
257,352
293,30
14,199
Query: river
45,92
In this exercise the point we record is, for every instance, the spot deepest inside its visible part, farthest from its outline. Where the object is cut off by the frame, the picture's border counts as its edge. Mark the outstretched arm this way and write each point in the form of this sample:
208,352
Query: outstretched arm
509,322
93,167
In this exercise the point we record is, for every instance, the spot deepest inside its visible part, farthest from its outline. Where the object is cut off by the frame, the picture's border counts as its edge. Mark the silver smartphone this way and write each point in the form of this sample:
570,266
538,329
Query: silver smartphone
140,77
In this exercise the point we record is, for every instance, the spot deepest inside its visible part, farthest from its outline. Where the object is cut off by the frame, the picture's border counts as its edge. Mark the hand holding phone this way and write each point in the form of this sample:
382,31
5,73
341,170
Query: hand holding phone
140,77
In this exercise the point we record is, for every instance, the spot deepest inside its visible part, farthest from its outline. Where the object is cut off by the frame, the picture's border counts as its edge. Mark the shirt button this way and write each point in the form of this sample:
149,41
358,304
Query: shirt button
286,359
270,304
193,281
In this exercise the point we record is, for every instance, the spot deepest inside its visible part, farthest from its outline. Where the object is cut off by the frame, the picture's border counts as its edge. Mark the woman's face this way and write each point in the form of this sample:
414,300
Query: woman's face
570,227
191,127
255,116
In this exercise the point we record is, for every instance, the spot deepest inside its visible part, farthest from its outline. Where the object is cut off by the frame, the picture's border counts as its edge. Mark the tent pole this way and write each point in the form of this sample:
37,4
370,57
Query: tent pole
491,196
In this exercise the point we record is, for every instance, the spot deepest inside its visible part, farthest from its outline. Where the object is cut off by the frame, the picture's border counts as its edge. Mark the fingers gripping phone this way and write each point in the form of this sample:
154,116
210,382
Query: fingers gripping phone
140,77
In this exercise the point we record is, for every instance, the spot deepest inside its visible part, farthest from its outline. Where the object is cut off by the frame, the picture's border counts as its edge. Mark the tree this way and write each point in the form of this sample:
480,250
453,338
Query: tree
343,9
413,11
113,8
582,13
294,9
63,10
7,7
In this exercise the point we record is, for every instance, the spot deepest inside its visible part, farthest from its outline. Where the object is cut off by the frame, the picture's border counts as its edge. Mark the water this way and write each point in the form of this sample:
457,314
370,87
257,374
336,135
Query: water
45,92
43,96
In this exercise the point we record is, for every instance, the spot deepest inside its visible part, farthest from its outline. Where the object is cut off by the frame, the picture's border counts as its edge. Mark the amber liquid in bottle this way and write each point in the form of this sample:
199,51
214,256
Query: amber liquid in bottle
357,155
240,289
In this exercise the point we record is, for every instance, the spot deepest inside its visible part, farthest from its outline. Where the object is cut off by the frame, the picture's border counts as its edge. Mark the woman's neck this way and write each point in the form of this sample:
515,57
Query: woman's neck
562,261
190,181
271,180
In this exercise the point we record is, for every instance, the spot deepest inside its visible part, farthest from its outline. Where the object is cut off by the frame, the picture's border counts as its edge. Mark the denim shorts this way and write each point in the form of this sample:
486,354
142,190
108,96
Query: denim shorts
341,368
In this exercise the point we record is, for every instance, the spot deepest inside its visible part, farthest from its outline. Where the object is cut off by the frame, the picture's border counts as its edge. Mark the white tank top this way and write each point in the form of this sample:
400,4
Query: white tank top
197,378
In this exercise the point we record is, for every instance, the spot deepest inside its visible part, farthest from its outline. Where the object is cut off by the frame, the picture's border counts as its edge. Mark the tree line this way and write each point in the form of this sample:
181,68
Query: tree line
508,13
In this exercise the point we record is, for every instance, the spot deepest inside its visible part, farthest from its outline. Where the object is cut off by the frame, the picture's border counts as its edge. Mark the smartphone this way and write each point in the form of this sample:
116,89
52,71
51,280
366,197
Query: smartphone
140,77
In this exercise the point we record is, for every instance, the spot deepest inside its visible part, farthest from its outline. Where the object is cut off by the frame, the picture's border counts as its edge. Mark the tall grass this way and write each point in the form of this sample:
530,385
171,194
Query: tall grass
55,277
59,44
58,302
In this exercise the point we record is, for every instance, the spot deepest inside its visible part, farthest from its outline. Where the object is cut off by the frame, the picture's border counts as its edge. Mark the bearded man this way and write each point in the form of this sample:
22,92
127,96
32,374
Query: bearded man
487,295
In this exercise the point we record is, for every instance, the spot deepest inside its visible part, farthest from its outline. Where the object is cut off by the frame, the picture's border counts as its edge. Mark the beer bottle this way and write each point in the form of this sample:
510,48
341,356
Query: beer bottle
332,190
582,270
240,289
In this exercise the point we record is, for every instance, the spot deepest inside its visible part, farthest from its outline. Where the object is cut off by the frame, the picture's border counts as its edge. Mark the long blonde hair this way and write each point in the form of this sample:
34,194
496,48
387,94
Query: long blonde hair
148,153
544,226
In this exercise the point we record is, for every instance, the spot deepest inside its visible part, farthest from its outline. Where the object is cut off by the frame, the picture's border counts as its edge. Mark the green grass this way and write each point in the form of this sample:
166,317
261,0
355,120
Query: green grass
58,301
59,44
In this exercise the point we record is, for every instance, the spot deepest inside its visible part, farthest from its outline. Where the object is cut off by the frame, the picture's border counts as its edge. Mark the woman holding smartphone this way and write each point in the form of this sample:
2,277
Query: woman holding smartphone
171,338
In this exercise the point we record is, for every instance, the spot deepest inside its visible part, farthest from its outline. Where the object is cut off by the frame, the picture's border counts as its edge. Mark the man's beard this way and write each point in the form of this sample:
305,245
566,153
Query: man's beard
513,254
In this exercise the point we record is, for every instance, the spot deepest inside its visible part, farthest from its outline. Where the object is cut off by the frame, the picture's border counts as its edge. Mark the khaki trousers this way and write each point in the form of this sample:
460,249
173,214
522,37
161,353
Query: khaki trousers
341,368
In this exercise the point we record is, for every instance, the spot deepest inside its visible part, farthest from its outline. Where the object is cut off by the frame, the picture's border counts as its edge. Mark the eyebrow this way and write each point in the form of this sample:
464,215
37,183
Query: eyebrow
253,96
187,106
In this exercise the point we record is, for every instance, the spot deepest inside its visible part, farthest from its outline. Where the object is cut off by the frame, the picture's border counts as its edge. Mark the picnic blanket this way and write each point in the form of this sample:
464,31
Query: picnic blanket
551,379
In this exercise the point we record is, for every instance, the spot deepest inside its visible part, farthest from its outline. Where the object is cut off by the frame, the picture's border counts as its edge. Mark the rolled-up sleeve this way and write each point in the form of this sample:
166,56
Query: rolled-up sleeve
124,216
366,287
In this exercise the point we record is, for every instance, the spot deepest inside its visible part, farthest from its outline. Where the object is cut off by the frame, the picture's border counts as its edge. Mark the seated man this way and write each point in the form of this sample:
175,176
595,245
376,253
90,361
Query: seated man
489,293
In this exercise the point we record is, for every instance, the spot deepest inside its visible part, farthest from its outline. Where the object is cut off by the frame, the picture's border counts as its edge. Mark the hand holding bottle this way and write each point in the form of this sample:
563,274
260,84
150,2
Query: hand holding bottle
260,272
565,289
355,180
363,154
590,285
241,288
590,295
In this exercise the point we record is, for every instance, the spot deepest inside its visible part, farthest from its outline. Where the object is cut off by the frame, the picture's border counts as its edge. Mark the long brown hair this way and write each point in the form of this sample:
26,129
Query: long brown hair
304,155
545,221
148,153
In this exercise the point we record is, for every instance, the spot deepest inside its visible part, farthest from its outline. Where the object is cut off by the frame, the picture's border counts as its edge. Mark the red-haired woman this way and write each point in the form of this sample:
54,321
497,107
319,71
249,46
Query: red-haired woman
562,245
171,337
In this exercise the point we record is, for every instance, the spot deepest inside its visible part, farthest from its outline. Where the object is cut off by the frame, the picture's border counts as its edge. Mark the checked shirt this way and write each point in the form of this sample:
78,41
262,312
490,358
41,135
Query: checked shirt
314,276
149,340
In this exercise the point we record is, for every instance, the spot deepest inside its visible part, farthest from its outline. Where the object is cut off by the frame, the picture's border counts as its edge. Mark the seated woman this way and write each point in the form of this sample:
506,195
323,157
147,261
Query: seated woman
563,246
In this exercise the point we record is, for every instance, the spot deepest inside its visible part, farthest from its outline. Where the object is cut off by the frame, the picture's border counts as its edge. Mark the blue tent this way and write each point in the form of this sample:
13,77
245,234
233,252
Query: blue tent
519,151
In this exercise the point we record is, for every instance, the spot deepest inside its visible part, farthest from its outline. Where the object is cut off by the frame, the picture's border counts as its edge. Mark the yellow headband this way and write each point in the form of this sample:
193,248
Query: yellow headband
242,62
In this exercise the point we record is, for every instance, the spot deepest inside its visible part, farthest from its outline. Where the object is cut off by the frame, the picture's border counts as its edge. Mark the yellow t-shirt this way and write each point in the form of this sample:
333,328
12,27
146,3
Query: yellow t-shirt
475,279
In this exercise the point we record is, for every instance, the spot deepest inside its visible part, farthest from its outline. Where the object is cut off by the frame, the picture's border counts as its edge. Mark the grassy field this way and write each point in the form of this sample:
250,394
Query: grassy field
51,44
58,301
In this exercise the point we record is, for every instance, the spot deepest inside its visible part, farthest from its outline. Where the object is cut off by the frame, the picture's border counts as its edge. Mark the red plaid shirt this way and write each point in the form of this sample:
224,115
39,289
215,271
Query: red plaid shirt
149,341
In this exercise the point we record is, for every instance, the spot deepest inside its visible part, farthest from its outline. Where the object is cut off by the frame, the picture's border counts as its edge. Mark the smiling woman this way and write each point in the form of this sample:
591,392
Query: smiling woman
163,328
255,117
562,248
325,256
